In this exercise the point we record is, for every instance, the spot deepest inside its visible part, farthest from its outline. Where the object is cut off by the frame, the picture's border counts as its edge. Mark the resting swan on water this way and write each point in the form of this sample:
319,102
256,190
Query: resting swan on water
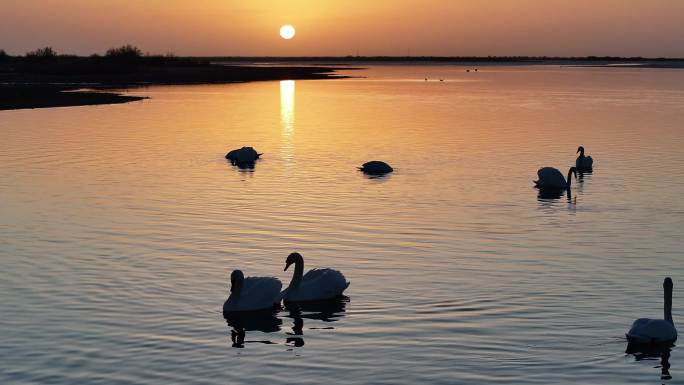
655,331
316,284
251,293
552,179
583,163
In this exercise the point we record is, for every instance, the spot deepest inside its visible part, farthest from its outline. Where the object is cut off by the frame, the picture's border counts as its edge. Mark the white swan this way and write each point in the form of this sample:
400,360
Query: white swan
251,293
317,284
552,179
583,163
655,331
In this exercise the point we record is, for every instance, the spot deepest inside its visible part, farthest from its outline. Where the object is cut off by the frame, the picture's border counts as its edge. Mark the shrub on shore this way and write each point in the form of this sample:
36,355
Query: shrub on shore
128,52
42,53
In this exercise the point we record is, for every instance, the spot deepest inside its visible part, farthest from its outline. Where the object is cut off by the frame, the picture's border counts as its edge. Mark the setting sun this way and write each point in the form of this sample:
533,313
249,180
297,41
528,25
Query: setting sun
287,32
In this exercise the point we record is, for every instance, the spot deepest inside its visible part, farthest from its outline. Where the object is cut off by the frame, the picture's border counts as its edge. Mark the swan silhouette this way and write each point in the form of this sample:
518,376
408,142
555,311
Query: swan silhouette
552,179
583,163
655,331
316,284
376,167
243,157
251,293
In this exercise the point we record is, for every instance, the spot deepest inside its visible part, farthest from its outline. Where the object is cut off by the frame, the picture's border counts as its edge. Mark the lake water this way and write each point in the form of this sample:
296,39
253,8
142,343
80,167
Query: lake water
120,225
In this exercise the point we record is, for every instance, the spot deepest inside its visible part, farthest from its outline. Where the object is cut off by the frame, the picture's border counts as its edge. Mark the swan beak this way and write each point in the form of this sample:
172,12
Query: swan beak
287,265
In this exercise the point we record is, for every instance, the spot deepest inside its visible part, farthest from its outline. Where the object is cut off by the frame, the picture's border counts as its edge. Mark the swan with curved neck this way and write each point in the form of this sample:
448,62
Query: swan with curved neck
316,284
583,163
251,293
551,178
656,331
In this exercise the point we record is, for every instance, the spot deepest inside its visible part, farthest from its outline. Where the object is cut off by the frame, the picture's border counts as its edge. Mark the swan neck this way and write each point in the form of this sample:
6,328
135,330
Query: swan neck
298,274
236,287
668,305
569,179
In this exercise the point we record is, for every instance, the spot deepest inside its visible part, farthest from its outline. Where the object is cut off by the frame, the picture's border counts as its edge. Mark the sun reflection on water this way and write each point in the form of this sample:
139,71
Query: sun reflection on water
287,115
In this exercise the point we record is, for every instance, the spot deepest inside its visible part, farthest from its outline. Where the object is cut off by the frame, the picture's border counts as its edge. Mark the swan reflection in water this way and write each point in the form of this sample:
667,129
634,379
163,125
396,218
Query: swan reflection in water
643,352
549,195
329,310
265,321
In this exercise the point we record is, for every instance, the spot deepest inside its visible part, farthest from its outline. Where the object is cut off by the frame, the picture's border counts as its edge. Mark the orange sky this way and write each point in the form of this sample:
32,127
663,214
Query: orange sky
327,27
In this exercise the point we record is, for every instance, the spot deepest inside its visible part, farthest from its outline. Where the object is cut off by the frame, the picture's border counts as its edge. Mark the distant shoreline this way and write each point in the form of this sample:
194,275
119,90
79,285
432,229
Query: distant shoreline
593,61
63,81
66,80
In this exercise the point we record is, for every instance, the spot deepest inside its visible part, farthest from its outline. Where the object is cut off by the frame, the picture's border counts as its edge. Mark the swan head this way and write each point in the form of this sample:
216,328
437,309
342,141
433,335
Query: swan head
293,258
573,170
580,149
667,284
236,281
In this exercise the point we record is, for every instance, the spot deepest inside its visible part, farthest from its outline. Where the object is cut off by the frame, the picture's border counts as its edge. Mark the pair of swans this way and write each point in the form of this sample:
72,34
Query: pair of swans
258,293
550,178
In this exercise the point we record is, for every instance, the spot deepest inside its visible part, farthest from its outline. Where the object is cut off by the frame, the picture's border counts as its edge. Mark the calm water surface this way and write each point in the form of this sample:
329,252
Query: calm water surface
120,225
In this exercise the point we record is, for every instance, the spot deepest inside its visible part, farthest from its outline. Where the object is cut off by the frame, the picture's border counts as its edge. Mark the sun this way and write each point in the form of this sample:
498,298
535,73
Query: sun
287,32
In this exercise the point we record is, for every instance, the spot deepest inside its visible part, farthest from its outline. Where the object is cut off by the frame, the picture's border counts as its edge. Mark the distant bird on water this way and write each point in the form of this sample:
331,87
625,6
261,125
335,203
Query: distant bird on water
656,331
583,163
243,157
552,179
376,167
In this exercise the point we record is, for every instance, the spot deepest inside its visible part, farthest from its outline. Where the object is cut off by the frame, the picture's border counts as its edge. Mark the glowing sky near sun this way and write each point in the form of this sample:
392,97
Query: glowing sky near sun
333,27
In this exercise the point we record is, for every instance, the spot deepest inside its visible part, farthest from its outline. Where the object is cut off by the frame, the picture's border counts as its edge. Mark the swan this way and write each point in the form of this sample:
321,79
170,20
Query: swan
552,179
583,163
317,284
655,331
376,167
251,293
243,156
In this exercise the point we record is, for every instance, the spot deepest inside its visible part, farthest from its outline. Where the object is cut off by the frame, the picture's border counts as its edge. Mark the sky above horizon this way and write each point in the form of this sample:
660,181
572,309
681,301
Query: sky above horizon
651,28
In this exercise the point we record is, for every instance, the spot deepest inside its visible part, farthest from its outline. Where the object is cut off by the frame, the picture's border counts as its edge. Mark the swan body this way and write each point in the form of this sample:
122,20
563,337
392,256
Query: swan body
243,156
648,331
552,179
655,331
251,293
376,167
583,163
316,284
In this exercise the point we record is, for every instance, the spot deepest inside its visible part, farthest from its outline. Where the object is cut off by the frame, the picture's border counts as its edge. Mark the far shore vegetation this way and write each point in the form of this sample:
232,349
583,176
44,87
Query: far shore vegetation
45,78
41,78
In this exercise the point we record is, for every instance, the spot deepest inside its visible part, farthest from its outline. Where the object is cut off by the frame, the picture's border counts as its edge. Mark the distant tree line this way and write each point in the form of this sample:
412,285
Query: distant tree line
131,58
127,58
